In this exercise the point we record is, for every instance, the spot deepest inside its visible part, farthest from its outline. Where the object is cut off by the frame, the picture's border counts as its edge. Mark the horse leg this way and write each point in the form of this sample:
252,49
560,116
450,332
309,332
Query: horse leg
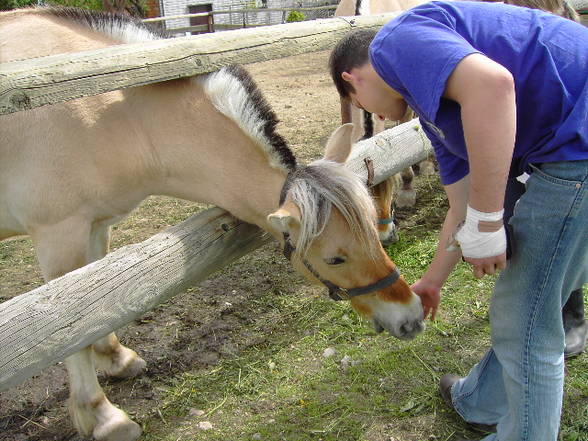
61,248
117,360
110,356
427,167
383,194
91,412
406,196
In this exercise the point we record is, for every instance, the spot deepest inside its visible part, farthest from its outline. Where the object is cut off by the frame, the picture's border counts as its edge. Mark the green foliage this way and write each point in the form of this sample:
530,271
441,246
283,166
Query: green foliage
6,5
250,4
295,16
85,4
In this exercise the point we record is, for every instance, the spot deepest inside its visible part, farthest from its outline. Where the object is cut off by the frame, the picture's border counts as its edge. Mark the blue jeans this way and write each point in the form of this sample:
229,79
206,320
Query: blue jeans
518,385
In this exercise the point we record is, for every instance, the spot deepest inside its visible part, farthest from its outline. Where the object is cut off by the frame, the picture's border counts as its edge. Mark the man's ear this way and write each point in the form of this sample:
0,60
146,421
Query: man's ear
349,77
286,218
339,144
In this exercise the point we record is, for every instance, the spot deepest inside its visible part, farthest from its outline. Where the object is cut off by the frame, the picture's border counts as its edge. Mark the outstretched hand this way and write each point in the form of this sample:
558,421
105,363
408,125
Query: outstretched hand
430,297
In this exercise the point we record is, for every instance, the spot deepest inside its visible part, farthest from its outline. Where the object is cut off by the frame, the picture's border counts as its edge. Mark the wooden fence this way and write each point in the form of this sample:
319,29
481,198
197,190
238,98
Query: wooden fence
47,324
245,21
33,83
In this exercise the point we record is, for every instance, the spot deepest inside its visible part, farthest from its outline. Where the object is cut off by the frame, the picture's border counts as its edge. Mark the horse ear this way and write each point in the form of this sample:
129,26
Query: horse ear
339,144
285,218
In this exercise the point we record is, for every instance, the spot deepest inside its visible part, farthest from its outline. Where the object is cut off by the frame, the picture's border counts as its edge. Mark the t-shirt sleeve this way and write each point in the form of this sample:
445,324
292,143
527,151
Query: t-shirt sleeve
452,168
415,54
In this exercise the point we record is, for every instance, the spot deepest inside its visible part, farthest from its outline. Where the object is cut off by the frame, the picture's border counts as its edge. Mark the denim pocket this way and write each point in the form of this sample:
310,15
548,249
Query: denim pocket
565,173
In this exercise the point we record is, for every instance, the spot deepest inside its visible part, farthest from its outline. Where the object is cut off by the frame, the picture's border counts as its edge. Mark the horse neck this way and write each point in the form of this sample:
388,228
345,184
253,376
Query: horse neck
201,155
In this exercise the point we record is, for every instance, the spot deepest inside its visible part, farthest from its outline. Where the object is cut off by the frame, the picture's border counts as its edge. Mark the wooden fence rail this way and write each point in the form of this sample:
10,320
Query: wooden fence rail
33,83
49,323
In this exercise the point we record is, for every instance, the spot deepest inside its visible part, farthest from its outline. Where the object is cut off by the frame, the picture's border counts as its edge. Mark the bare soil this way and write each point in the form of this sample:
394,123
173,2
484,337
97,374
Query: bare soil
208,322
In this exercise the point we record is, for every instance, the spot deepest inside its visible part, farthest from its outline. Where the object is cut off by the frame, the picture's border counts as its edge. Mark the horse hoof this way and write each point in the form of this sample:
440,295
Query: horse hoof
120,428
405,198
134,366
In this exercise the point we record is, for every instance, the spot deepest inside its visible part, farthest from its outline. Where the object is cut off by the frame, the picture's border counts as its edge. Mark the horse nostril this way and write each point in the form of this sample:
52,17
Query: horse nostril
379,328
407,328
411,329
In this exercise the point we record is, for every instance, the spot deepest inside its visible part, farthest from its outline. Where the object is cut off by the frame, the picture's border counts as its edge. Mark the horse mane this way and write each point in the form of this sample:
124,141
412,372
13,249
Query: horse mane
322,185
231,89
234,93
120,27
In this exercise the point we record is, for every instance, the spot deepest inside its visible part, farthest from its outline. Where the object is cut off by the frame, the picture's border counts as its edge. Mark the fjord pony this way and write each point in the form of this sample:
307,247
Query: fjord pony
71,170
397,190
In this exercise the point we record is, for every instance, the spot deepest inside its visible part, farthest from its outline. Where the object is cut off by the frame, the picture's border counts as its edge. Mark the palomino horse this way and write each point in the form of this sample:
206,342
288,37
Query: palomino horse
398,189
69,171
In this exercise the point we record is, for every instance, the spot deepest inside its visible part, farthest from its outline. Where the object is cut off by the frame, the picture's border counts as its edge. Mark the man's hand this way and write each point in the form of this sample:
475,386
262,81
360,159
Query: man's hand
430,295
487,265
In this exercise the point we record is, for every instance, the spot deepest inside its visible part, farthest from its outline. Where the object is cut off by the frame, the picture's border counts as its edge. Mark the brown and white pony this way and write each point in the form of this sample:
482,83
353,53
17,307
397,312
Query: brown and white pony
71,170
397,190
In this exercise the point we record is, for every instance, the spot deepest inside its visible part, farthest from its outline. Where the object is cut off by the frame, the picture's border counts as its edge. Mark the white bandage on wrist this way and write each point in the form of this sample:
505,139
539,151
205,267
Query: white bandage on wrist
482,234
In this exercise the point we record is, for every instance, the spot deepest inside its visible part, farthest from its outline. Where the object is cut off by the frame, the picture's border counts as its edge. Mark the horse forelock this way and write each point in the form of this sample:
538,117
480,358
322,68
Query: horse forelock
234,93
324,185
119,27
362,7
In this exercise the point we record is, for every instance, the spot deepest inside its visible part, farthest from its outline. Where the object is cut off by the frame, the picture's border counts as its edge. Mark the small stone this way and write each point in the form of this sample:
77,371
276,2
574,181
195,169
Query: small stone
196,412
329,352
204,425
345,362
256,436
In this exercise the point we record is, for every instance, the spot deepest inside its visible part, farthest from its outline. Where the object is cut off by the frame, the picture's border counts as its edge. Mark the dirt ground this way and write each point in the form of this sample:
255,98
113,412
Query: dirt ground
196,328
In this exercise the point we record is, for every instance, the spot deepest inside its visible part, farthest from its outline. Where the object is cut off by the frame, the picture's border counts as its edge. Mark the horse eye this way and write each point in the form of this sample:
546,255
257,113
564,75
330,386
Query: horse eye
335,261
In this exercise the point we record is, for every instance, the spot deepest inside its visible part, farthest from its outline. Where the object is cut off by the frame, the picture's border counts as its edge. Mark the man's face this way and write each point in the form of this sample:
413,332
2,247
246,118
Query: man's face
373,95
392,109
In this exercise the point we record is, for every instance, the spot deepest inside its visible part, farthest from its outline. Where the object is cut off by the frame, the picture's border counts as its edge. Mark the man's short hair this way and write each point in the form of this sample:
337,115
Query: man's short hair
351,51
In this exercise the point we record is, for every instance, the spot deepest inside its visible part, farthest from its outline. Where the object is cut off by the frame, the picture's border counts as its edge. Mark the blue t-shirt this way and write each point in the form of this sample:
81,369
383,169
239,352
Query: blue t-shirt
416,52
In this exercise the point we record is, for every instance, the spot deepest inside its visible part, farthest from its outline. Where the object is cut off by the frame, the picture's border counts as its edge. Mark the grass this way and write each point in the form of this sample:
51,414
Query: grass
373,388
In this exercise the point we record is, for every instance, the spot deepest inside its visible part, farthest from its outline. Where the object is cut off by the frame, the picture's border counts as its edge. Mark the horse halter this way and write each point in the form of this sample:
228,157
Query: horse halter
335,291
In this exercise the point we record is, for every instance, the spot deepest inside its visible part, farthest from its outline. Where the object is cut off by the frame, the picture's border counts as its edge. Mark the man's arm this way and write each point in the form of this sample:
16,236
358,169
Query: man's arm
430,284
485,92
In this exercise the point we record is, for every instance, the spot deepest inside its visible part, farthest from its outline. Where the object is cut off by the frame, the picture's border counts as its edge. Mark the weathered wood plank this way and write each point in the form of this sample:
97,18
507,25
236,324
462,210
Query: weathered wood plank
37,82
57,319
47,324
391,151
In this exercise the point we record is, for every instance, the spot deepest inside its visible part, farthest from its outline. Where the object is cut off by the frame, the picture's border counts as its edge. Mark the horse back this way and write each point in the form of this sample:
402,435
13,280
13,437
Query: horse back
32,33
77,158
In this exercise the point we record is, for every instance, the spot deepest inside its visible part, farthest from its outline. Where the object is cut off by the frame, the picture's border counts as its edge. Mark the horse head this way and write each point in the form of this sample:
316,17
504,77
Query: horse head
328,223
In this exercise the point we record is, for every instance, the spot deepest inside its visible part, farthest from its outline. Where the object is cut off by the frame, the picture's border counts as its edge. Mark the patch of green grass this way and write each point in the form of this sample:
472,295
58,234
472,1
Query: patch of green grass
375,387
